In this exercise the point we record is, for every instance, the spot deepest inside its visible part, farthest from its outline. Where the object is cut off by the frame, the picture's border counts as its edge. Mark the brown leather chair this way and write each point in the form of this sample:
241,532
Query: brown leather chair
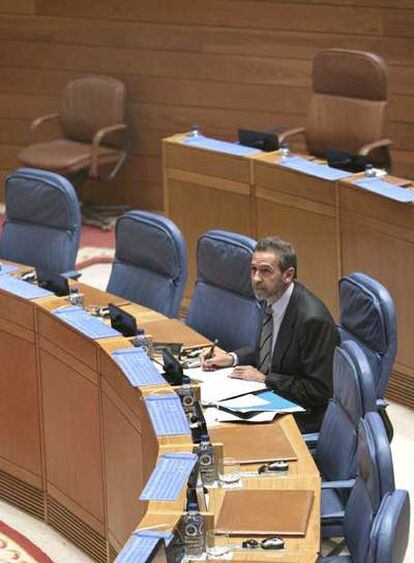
348,105
91,120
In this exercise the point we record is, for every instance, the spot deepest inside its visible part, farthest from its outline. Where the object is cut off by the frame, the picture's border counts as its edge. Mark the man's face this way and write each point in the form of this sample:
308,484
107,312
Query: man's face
268,281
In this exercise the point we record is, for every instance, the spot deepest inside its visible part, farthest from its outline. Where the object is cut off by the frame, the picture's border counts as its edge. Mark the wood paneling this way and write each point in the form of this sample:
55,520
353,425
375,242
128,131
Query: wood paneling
222,64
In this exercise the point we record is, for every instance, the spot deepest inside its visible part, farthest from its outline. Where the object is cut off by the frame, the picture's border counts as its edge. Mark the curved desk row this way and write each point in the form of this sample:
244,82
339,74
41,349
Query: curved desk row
336,226
76,442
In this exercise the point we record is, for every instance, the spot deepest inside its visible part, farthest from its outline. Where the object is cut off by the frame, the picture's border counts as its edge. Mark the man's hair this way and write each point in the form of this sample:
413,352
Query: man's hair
283,249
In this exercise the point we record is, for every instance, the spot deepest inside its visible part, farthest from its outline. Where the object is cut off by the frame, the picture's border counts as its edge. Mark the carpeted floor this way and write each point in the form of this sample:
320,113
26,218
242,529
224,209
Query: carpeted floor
14,546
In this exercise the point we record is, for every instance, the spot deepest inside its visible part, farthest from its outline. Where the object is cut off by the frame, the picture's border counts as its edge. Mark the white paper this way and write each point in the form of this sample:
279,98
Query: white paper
218,386
214,416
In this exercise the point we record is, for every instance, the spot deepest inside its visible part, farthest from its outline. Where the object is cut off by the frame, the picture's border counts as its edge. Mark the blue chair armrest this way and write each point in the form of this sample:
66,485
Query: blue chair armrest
71,274
311,440
341,484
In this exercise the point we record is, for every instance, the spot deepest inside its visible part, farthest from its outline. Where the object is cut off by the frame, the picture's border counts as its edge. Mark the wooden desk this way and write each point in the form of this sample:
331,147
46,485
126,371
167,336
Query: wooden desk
76,442
337,228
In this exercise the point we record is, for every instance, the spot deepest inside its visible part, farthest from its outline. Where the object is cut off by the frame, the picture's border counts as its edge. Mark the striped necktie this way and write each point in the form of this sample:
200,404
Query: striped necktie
265,350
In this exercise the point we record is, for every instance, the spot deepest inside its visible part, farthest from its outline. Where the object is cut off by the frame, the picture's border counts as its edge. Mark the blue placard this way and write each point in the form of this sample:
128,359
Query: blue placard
85,323
137,366
7,269
313,168
22,288
170,475
167,415
141,544
219,146
385,189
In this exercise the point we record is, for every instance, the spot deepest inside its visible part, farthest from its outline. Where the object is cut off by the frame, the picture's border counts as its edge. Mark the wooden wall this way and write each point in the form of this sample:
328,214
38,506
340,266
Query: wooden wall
222,64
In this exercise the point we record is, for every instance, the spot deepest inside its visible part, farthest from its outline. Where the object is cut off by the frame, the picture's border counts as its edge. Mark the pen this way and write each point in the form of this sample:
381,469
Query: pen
210,353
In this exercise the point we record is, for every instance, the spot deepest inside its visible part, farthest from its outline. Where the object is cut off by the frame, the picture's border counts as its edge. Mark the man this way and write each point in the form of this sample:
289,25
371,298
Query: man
294,351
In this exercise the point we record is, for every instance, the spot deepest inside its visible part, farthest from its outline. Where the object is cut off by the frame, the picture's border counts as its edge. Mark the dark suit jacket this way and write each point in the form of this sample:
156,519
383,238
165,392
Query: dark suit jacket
301,369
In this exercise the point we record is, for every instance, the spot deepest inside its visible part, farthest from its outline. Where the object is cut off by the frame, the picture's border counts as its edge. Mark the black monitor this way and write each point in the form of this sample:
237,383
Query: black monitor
266,142
172,368
122,321
342,160
56,283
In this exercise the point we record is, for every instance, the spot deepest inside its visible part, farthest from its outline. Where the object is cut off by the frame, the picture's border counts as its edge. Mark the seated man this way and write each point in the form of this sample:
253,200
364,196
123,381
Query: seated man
295,348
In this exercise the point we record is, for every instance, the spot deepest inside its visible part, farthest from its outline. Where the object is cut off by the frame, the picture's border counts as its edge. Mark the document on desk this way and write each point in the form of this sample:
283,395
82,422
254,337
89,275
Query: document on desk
169,476
261,402
22,288
141,544
84,322
217,385
313,168
385,189
7,269
219,146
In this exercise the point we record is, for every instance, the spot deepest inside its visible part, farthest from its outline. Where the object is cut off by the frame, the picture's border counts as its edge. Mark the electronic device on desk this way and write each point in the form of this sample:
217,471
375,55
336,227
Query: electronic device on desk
56,283
173,371
346,161
122,321
263,141
198,424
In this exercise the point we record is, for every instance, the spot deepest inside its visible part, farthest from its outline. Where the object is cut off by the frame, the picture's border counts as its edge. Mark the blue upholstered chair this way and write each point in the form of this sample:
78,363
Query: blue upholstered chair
376,515
223,298
43,223
335,455
150,264
367,316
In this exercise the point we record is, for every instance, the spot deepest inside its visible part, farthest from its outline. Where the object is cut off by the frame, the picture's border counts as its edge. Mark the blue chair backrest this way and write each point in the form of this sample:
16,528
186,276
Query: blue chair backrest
353,397
43,222
391,528
375,479
150,264
367,315
223,304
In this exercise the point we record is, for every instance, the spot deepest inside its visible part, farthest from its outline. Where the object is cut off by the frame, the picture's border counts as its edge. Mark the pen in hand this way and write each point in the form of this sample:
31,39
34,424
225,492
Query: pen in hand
210,353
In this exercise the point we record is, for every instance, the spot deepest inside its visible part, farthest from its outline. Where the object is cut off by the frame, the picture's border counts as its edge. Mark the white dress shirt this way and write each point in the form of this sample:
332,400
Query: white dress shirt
278,311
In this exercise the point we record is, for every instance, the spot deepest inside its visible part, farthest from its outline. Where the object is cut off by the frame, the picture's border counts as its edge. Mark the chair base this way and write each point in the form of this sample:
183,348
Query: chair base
103,216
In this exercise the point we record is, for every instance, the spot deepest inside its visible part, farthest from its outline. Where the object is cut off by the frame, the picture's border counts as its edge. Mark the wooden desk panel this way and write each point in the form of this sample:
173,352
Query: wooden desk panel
205,190
303,211
377,238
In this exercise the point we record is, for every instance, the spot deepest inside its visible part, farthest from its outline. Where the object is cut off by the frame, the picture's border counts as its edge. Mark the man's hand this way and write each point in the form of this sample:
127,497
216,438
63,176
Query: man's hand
219,360
249,373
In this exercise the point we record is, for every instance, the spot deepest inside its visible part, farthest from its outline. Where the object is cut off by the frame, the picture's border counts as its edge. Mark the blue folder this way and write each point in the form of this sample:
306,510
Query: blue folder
170,475
141,544
7,269
385,189
22,288
313,168
84,322
219,146
137,366
274,403
167,415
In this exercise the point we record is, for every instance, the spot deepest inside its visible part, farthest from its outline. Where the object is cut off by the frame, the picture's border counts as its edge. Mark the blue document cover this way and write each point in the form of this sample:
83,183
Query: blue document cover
137,366
385,189
140,545
22,288
169,476
219,146
85,323
264,401
7,269
313,168
167,415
